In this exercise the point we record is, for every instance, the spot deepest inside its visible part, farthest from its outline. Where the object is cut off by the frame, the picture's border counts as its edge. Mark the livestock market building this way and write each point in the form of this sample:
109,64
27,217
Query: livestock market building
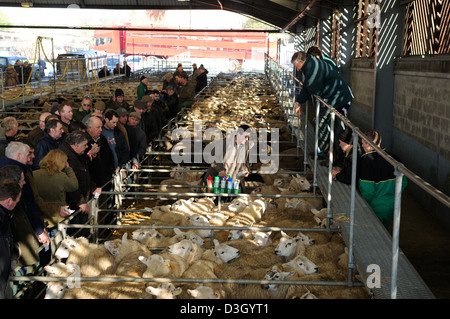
394,55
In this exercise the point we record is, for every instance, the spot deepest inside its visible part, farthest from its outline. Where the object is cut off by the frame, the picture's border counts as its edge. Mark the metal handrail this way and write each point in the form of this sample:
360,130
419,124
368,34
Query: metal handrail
399,171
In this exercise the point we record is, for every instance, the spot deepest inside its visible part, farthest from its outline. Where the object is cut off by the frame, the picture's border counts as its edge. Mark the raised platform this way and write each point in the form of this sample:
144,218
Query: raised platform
372,243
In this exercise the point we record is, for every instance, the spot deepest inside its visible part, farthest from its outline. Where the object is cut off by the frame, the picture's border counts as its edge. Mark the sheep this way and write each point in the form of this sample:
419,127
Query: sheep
55,290
157,266
262,239
305,204
189,177
300,183
262,291
121,248
253,213
151,238
290,247
93,259
301,265
251,254
164,291
59,269
202,268
200,221
175,263
277,291
187,250
204,292
320,216
238,204
239,233
221,253
108,290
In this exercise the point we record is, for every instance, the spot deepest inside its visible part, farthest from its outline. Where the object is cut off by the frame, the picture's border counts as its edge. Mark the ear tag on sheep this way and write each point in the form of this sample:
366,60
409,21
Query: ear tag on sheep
170,266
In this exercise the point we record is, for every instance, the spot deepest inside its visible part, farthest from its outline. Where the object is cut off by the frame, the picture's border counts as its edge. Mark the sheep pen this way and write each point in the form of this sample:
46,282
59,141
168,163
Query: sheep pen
168,217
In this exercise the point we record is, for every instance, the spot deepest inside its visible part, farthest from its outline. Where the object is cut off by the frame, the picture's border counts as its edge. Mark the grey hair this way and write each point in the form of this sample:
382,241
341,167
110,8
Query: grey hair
9,123
15,148
76,137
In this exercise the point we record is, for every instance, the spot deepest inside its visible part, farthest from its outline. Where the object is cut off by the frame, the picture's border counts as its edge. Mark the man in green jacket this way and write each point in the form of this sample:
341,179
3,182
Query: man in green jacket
377,180
142,87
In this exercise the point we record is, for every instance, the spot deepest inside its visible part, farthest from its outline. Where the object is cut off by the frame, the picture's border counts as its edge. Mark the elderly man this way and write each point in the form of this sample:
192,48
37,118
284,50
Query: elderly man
101,164
38,132
8,131
83,110
30,226
75,146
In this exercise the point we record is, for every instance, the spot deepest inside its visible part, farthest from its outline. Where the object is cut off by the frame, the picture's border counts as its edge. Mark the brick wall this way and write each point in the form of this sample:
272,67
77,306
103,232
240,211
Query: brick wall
362,84
422,102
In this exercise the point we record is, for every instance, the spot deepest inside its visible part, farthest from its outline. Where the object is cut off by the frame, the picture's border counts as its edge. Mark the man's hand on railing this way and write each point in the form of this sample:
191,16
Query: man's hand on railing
298,109
84,208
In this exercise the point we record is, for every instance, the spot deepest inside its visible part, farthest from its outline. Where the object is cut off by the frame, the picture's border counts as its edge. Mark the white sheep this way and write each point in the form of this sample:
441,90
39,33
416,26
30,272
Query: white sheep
157,266
239,233
93,259
221,253
290,247
187,250
301,265
202,268
55,289
262,238
165,290
204,292
238,204
251,254
120,248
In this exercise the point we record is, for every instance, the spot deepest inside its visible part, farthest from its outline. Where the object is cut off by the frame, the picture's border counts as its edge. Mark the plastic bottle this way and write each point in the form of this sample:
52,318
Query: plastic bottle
236,188
223,184
230,185
210,184
216,185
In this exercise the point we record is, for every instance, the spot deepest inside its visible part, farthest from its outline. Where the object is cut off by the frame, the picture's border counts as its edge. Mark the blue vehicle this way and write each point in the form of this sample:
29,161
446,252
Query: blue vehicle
38,67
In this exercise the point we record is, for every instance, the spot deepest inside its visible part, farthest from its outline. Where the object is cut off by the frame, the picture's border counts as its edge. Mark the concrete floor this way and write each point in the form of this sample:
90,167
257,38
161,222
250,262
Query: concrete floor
426,245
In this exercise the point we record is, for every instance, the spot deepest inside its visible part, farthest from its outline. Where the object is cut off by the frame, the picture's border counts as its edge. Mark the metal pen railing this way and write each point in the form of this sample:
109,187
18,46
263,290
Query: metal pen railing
272,69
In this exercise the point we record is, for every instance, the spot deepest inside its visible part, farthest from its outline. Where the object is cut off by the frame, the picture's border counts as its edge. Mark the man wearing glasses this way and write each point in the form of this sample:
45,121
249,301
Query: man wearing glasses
85,109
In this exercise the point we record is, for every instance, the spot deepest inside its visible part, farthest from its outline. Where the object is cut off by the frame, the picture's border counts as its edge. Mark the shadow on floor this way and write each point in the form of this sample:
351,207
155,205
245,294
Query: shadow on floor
426,244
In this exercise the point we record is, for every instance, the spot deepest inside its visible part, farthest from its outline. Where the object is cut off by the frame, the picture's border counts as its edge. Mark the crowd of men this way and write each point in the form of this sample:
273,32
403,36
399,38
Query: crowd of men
86,143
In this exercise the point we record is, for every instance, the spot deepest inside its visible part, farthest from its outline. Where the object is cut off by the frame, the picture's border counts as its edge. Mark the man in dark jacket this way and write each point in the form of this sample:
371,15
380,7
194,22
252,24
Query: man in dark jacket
202,79
101,164
138,139
321,79
187,91
31,228
10,192
8,131
50,141
116,140
172,101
